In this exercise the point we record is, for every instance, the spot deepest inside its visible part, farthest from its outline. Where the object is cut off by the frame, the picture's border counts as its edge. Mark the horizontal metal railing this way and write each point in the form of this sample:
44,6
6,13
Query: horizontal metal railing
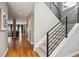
52,6
56,34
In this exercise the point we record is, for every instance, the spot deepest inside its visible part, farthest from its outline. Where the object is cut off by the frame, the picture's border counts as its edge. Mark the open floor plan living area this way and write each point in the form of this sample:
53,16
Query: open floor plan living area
39,29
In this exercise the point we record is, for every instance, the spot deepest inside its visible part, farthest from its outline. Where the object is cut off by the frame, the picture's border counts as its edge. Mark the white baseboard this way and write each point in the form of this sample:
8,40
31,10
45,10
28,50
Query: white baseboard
73,54
5,52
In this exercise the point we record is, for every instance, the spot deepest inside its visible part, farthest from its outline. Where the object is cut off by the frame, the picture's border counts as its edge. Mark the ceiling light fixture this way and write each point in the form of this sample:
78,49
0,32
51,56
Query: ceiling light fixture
19,13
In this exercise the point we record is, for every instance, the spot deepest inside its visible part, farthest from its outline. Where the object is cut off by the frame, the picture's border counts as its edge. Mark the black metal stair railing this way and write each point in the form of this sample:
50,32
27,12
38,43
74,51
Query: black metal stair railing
55,36
52,6
60,31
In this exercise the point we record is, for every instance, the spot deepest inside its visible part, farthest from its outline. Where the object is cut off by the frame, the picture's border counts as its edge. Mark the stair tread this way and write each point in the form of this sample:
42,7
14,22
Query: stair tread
43,47
41,52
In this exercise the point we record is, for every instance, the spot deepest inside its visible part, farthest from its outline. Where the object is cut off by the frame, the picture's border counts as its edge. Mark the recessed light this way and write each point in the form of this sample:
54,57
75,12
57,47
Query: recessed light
19,13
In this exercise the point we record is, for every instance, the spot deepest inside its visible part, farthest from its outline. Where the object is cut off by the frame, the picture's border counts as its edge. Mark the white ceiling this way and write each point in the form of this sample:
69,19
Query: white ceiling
15,7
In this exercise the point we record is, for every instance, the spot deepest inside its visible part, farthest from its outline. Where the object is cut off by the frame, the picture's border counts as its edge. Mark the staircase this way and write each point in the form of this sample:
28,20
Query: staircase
42,49
56,34
57,38
54,8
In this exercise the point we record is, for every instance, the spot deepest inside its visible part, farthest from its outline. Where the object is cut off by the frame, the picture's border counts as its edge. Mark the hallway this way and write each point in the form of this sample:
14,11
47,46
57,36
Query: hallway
21,49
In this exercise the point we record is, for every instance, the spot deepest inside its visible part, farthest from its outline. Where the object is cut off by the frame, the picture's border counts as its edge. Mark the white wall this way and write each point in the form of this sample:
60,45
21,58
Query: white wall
30,28
3,34
3,42
4,6
44,20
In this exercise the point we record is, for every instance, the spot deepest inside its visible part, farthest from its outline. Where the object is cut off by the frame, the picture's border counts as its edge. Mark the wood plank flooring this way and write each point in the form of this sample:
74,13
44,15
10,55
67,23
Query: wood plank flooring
21,49
77,55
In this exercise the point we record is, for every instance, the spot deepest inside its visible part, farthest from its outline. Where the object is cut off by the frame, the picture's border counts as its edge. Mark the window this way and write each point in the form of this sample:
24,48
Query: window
67,5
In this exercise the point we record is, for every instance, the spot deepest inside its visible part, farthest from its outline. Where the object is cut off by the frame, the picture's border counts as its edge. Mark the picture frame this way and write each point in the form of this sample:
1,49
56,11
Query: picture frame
3,20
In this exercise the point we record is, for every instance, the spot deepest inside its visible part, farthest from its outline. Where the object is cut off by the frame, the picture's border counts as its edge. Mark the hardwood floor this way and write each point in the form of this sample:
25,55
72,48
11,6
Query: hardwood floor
77,55
21,49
